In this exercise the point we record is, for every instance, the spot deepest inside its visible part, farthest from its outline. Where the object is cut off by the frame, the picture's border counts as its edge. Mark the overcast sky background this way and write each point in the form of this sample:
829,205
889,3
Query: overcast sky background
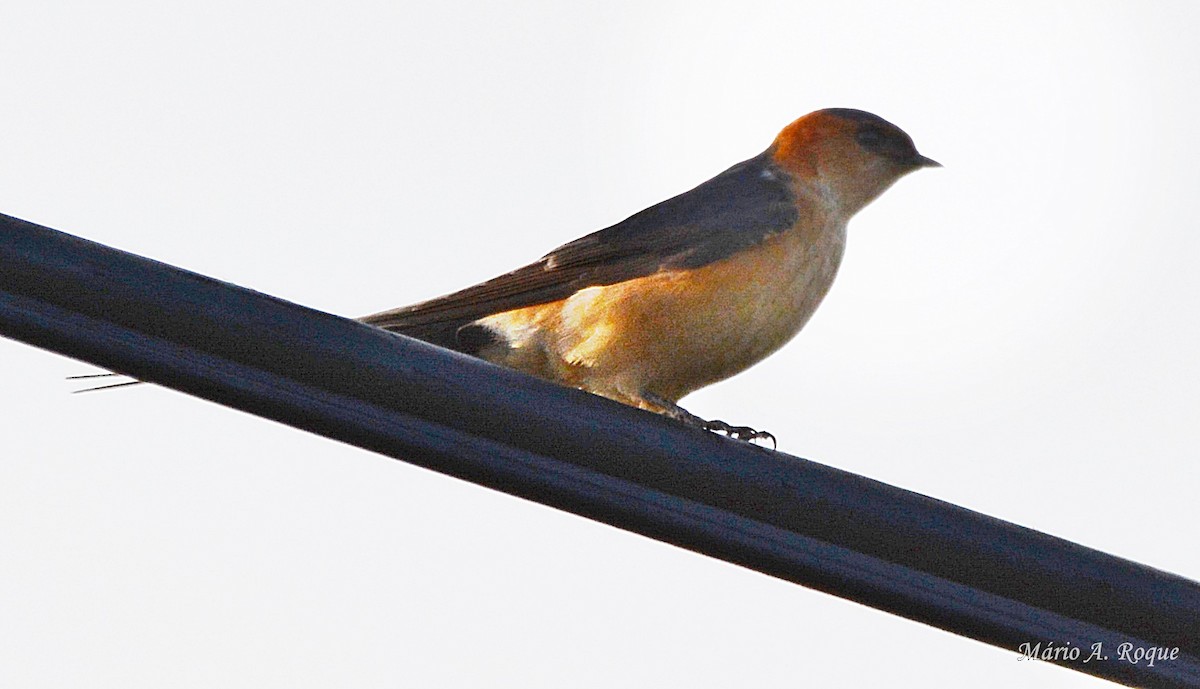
1016,333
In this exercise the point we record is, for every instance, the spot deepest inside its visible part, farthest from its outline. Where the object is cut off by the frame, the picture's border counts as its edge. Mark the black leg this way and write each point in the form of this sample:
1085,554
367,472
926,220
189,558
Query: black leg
680,414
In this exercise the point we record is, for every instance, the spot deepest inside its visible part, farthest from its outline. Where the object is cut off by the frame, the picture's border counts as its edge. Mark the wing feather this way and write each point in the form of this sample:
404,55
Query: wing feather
735,210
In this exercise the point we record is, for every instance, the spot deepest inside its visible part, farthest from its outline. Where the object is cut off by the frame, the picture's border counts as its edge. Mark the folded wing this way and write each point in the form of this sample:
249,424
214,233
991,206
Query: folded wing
733,211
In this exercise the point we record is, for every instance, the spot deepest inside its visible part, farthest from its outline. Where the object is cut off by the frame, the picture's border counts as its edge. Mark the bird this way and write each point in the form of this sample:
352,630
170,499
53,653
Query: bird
687,292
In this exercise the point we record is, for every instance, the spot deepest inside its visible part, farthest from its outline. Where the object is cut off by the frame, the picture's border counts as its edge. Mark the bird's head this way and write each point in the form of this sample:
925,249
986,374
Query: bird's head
851,155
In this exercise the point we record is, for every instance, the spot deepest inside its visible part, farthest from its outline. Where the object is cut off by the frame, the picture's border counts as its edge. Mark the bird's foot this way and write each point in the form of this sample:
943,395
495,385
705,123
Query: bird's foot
744,433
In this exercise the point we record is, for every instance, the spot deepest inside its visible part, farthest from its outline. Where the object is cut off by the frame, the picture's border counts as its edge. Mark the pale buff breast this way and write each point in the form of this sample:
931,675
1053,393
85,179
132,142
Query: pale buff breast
676,331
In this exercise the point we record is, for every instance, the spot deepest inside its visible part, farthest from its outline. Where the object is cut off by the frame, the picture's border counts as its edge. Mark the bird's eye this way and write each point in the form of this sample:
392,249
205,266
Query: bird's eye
870,138
887,143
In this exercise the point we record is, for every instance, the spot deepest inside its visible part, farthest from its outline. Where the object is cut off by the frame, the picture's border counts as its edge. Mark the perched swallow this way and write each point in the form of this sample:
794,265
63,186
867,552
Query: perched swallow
689,291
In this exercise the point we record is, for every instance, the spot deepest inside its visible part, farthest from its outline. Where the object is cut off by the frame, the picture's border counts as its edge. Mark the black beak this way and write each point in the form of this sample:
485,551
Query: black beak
922,161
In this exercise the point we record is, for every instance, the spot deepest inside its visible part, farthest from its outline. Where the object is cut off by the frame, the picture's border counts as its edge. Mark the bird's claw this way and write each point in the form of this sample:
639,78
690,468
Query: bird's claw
673,410
739,432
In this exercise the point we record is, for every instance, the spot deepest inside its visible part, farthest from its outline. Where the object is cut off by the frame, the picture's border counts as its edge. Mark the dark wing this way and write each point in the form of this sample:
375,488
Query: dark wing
735,210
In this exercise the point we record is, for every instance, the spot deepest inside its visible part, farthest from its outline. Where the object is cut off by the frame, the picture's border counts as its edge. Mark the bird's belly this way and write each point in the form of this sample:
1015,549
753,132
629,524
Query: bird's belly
677,331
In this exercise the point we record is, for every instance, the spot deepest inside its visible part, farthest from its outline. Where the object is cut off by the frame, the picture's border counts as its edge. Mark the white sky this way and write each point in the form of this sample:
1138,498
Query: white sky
1016,333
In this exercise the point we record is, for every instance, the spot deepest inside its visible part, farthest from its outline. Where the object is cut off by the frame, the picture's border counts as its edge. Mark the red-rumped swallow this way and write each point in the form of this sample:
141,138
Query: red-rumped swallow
689,291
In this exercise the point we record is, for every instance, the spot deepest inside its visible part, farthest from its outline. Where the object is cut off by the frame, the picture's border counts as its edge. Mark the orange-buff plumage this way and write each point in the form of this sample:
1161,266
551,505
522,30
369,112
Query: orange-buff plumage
689,291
